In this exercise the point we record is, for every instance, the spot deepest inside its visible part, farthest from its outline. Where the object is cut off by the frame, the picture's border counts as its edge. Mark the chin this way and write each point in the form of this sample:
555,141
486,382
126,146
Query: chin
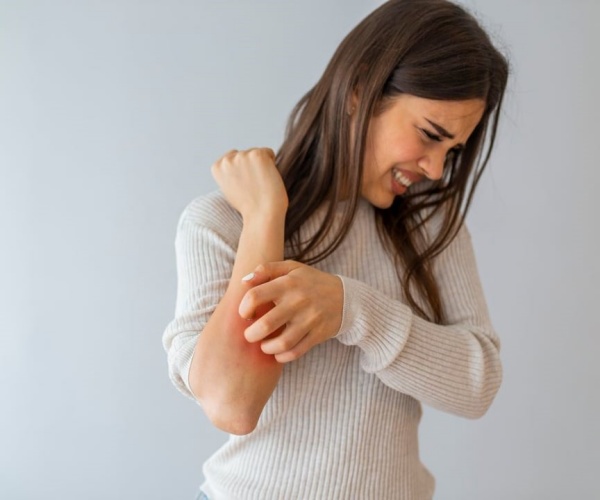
381,203
379,199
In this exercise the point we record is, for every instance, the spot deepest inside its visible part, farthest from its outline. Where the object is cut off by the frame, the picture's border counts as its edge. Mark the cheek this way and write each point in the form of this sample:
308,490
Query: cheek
401,150
396,143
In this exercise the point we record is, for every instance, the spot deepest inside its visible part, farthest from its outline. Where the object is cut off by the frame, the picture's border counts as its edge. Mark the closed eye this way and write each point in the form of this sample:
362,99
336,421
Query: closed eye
431,136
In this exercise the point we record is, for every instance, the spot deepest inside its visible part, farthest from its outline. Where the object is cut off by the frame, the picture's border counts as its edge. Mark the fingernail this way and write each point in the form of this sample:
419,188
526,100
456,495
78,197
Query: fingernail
248,277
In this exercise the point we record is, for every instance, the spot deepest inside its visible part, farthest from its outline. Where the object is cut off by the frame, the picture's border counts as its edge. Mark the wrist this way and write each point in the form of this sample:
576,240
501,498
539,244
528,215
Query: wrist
267,216
261,240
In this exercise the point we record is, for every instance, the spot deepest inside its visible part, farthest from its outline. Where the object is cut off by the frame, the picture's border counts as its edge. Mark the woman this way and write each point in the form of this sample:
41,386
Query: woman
318,364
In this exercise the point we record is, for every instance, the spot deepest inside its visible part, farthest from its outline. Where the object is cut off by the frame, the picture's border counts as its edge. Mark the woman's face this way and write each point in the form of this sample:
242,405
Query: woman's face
409,142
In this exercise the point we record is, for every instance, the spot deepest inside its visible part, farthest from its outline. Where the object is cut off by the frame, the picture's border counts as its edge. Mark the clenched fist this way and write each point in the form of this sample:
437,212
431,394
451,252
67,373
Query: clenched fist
251,182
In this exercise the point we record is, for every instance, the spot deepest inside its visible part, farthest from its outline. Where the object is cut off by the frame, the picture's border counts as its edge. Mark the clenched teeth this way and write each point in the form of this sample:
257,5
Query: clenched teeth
401,178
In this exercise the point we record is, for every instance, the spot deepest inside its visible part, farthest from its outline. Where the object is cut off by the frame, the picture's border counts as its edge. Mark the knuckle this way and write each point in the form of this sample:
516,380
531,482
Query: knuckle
288,281
299,300
263,329
251,297
268,153
227,157
266,325
261,155
304,300
285,344
293,354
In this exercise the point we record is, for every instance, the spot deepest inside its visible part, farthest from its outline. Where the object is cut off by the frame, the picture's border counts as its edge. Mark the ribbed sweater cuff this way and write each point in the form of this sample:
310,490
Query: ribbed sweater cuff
374,323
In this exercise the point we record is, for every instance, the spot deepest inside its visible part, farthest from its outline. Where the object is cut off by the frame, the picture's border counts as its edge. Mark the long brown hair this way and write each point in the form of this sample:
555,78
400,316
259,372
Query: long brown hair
428,48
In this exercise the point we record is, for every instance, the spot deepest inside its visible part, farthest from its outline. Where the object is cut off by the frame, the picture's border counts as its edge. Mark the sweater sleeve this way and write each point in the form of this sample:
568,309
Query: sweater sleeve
205,252
453,367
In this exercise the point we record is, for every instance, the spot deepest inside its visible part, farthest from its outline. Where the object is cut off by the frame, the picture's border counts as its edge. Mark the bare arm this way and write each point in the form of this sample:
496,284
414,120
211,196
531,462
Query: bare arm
232,378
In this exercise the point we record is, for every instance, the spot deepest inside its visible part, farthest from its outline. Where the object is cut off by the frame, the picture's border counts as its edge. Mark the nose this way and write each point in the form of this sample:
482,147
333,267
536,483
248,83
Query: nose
432,166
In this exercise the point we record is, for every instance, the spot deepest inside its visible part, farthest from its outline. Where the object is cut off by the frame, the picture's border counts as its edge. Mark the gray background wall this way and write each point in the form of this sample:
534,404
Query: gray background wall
110,116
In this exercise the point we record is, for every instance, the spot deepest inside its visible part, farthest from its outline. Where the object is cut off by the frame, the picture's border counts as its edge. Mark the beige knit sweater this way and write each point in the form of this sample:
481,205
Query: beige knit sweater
343,420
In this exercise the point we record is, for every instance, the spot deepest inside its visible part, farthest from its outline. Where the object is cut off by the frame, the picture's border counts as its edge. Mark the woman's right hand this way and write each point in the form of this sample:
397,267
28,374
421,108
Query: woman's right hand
251,182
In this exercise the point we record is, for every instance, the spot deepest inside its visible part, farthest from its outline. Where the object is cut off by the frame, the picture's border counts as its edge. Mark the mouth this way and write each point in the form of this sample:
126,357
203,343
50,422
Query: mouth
401,178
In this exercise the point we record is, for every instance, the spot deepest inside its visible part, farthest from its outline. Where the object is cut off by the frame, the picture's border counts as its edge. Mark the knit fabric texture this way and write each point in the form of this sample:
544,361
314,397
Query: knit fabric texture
343,421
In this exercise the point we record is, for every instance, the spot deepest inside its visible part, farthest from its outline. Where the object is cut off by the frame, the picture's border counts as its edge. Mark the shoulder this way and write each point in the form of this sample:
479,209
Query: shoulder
212,213
436,224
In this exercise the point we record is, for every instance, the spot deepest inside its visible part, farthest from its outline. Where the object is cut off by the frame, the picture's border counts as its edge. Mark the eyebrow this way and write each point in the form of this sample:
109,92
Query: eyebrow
440,130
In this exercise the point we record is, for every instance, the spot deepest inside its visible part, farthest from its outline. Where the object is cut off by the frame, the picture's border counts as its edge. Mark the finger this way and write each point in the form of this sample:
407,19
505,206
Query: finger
255,278
273,270
299,350
261,153
270,153
265,293
229,154
267,324
218,164
287,340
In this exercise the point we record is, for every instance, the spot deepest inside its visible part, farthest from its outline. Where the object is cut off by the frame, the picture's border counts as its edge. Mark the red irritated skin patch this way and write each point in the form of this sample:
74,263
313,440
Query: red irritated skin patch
238,376
253,348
